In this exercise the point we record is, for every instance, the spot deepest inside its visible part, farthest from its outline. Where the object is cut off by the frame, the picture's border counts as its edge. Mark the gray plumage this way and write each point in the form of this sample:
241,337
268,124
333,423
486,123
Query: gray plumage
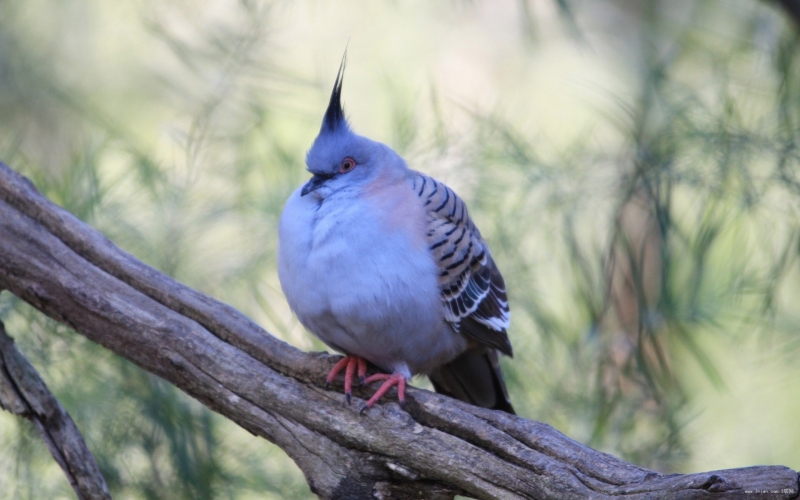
384,263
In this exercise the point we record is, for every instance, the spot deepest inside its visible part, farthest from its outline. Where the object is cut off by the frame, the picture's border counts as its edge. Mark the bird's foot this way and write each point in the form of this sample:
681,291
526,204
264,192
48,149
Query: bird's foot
388,381
349,364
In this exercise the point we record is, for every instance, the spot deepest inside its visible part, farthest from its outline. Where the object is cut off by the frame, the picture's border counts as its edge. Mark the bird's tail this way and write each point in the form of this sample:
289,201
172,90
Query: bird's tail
474,377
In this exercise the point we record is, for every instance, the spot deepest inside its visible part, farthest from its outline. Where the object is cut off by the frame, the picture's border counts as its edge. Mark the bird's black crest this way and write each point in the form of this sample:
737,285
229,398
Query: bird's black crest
334,115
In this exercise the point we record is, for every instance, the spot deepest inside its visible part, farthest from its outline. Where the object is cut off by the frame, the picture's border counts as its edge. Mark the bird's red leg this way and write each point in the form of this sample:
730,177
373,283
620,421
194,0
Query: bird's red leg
349,365
353,365
336,369
362,370
389,381
348,378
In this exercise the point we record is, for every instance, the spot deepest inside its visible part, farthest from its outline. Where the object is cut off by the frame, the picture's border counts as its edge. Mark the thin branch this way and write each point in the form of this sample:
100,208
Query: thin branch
438,448
24,393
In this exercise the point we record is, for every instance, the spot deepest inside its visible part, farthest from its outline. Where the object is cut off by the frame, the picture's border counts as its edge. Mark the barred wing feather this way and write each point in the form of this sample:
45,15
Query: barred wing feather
473,291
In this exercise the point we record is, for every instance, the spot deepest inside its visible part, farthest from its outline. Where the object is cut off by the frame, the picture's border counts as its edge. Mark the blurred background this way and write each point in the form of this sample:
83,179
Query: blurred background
632,164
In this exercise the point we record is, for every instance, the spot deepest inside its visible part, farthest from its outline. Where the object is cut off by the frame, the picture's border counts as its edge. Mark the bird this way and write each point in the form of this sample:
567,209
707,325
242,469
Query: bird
384,264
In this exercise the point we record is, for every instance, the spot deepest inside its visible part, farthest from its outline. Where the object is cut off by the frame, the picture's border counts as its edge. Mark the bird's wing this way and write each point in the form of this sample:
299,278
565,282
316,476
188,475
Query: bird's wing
473,291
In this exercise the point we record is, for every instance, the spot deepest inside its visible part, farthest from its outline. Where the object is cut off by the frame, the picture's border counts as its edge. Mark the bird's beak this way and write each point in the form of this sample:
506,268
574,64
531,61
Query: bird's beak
315,183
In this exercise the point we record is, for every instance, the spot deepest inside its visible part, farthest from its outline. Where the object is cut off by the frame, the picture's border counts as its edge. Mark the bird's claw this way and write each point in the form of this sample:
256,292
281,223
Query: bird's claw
352,366
355,366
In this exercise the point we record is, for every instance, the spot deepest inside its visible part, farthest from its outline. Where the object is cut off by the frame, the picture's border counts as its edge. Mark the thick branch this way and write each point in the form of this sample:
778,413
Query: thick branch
438,448
24,393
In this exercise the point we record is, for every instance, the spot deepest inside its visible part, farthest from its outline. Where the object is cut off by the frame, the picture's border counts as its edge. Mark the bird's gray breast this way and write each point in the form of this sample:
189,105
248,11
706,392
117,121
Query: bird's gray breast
358,274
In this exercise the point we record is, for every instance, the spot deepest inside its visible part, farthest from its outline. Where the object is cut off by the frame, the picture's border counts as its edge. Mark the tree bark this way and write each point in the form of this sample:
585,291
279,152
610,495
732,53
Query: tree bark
434,449
24,393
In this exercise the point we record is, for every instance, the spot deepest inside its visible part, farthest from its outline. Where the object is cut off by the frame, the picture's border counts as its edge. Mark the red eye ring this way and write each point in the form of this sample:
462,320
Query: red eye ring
347,165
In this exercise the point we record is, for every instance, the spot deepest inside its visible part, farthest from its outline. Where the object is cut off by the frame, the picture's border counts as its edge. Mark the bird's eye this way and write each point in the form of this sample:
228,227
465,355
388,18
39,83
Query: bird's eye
347,165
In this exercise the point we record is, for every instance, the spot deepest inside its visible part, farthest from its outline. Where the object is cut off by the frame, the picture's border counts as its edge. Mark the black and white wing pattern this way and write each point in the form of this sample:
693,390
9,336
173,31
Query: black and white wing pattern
473,291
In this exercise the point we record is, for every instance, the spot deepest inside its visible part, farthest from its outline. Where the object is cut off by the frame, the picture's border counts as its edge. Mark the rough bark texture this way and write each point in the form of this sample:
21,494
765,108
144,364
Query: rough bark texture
436,448
24,393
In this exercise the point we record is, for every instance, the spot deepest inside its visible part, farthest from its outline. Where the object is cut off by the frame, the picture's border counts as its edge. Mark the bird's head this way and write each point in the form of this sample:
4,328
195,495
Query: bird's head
341,159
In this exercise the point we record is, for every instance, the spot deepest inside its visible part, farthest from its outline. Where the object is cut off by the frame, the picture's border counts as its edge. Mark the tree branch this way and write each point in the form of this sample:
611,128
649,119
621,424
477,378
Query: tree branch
24,393
439,447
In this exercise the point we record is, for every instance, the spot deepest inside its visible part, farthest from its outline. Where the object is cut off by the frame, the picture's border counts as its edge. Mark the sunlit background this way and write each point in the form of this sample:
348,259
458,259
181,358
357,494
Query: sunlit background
632,164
